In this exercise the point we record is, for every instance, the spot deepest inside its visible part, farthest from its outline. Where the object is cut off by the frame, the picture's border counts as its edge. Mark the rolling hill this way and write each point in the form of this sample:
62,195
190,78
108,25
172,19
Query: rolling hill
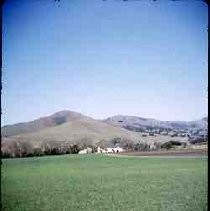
143,123
40,124
85,128
63,128
66,128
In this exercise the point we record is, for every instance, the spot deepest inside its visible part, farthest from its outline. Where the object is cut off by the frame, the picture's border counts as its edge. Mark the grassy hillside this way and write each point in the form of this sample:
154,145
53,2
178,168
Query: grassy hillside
81,129
40,124
92,183
63,117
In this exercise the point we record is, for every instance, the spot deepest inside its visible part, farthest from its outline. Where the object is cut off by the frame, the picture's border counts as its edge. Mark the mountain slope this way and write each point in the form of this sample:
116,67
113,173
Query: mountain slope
81,129
139,122
67,128
40,124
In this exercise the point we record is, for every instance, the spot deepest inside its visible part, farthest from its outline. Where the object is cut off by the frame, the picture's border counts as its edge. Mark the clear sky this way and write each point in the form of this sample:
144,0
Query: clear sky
104,58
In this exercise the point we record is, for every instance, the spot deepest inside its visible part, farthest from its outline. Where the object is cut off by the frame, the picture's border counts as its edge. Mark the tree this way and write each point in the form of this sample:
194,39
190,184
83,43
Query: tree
167,145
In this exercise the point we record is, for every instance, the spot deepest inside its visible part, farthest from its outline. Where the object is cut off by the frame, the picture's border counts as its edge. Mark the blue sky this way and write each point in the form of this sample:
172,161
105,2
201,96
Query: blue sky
104,58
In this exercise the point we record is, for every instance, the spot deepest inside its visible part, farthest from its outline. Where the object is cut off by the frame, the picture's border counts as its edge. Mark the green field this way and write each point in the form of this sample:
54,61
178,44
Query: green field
100,182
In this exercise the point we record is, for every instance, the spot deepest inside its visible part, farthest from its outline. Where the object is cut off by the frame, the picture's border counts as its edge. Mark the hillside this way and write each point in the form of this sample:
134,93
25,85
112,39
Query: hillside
134,122
86,129
40,124
75,130
66,128
127,122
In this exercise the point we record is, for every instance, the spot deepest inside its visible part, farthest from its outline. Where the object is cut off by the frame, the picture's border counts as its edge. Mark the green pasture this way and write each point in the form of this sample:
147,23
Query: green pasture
100,182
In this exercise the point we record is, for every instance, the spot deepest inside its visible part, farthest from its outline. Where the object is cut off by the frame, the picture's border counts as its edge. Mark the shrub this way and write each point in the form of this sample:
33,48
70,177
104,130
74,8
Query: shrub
141,147
5,155
127,144
75,149
38,152
167,145
157,145
26,149
176,143
116,141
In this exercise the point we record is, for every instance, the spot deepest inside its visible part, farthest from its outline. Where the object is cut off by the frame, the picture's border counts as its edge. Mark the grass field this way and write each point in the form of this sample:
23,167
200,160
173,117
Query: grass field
99,182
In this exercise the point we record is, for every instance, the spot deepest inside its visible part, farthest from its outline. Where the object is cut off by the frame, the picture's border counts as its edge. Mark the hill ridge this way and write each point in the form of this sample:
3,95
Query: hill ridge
64,116
40,123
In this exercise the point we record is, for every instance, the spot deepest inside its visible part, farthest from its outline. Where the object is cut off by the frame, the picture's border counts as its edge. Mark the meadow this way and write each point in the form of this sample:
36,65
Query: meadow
100,182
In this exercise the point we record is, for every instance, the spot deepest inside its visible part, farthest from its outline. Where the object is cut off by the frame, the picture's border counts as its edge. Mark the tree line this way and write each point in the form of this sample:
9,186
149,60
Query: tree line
14,149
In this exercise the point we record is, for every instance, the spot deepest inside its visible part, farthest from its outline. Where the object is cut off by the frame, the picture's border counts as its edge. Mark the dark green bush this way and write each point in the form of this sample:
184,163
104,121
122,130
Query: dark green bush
167,145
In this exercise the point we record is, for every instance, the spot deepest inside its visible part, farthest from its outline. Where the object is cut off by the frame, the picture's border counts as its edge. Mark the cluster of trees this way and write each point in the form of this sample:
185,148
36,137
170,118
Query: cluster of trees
198,139
129,145
26,149
141,147
171,144
132,128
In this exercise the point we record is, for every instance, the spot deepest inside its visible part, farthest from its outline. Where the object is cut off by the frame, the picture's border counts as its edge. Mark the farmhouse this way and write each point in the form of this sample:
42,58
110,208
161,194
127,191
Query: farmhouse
85,151
114,150
101,150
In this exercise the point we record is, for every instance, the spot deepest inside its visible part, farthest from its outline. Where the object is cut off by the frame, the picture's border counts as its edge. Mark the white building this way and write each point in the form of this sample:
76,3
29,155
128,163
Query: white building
101,150
86,151
114,150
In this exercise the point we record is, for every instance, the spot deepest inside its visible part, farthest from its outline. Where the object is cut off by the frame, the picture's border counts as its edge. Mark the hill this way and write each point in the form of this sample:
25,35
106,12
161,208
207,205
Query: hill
135,123
40,124
65,129
82,129
62,130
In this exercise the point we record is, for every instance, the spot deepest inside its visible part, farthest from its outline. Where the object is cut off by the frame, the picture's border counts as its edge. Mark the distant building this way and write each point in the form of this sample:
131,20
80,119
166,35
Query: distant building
101,150
114,150
151,134
86,151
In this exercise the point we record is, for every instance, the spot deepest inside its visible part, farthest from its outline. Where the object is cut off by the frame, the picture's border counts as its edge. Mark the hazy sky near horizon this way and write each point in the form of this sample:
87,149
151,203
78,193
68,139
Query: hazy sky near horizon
104,58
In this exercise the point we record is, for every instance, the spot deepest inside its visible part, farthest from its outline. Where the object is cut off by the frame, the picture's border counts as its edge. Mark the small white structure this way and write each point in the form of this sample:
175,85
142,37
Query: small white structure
110,150
118,149
114,150
101,150
86,151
